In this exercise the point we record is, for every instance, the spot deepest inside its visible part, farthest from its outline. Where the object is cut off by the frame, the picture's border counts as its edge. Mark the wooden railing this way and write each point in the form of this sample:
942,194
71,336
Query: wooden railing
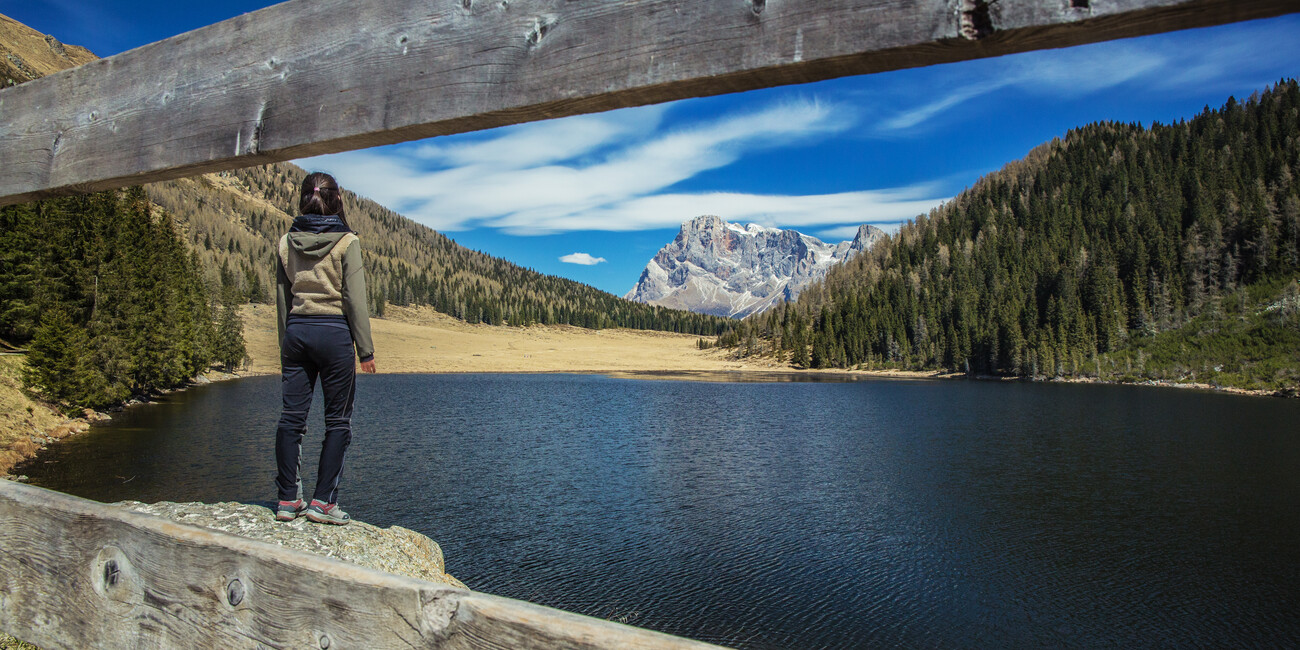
80,574
309,77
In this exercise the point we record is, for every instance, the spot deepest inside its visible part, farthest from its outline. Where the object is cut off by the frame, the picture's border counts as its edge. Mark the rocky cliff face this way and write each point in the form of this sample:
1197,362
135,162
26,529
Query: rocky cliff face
724,269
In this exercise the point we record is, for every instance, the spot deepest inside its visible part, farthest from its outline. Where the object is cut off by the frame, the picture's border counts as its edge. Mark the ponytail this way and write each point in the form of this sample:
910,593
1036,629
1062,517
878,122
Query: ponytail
320,194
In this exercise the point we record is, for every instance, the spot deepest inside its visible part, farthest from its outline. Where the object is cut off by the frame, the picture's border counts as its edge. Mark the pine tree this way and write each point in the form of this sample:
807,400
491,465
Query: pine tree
230,349
55,358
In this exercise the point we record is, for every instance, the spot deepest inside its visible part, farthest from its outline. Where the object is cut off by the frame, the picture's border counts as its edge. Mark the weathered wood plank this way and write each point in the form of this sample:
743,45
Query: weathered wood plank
309,77
80,574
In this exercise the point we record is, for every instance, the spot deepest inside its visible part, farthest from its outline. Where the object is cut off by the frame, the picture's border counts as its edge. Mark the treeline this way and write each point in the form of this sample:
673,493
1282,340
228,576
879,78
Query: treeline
109,300
234,219
1093,255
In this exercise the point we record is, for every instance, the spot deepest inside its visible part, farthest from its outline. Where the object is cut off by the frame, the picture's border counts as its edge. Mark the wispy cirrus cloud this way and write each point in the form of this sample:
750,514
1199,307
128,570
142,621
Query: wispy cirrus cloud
611,171
800,212
921,113
1069,73
1173,63
543,143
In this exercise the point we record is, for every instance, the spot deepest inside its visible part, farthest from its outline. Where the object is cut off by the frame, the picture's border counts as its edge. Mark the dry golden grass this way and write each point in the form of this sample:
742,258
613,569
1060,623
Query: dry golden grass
21,418
39,57
422,340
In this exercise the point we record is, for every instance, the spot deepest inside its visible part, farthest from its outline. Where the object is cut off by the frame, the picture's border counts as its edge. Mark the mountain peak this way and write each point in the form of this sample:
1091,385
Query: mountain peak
726,269
867,237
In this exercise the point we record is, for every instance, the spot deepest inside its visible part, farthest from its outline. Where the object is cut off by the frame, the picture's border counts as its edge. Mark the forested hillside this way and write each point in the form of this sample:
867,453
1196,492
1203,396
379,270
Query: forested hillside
1119,251
108,298
234,218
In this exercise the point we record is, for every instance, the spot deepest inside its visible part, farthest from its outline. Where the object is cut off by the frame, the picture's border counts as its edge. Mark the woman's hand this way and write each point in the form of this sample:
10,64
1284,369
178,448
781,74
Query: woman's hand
368,366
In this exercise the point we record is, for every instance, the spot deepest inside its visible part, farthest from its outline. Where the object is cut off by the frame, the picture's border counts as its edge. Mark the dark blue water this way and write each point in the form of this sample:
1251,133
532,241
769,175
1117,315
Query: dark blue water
837,515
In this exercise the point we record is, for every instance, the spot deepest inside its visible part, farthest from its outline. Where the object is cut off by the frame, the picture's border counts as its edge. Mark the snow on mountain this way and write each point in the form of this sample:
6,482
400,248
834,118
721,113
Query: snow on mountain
725,269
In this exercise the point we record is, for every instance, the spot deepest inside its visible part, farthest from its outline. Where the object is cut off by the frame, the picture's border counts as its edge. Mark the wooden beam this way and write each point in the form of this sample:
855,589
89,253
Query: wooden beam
81,574
311,77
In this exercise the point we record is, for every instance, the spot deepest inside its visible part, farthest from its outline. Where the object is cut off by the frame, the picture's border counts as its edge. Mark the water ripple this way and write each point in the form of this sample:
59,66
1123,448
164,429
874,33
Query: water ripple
794,515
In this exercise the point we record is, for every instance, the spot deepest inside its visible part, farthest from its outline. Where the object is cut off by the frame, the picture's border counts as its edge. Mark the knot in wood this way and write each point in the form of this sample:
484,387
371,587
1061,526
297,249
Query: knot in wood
235,592
111,573
324,641
541,25
758,6
975,22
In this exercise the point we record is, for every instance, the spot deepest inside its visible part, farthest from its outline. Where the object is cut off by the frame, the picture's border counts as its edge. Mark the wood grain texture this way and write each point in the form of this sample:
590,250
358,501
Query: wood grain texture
309,77
80,574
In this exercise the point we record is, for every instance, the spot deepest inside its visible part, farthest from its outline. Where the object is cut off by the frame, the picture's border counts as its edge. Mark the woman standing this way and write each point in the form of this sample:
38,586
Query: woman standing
320,298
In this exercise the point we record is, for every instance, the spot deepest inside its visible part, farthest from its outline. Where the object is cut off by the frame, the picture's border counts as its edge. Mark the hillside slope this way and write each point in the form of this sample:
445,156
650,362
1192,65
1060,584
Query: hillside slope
26,54
233,220
1118,252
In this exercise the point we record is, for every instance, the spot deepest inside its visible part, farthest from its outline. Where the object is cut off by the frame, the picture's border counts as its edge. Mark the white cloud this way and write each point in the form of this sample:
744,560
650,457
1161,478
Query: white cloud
918,114
582,258
670,210
1069,72
585,174
541,143
1078,71
1170,63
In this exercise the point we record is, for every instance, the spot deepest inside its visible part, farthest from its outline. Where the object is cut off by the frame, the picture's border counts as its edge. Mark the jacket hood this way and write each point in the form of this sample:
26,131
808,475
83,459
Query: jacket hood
314,235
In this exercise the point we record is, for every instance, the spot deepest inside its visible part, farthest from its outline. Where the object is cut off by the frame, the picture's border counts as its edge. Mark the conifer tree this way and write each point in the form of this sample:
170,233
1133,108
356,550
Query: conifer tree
230,349
56,359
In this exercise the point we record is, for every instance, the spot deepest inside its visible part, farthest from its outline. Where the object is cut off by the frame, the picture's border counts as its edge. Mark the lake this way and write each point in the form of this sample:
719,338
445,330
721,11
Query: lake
801,514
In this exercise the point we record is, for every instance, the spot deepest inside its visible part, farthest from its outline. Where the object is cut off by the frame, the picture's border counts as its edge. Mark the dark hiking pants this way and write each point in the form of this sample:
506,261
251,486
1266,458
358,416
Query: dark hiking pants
308,351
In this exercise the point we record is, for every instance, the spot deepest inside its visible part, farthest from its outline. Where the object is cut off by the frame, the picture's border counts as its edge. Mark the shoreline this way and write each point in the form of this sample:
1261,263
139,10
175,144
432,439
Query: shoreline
775,375
417,340
1164,383
28,425
23,438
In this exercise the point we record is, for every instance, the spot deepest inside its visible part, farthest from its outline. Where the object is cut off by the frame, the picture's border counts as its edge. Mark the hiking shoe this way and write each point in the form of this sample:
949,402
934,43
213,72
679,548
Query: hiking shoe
289,510
327,513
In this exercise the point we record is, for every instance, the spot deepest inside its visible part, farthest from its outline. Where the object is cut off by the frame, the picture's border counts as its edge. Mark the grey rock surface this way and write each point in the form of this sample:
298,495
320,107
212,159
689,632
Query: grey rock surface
725,269
393,550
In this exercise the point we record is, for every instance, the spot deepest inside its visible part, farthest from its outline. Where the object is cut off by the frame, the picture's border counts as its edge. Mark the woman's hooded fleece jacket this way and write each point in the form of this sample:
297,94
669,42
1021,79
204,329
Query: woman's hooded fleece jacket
320,278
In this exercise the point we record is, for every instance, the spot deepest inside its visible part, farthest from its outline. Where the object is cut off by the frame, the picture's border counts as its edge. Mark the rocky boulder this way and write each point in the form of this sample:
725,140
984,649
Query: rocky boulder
393,550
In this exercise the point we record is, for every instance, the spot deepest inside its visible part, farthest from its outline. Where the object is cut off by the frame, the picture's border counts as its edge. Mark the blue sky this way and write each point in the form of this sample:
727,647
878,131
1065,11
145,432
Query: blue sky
593,197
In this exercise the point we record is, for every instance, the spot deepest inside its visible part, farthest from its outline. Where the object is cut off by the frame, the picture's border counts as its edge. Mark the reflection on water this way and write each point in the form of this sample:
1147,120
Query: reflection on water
800,514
